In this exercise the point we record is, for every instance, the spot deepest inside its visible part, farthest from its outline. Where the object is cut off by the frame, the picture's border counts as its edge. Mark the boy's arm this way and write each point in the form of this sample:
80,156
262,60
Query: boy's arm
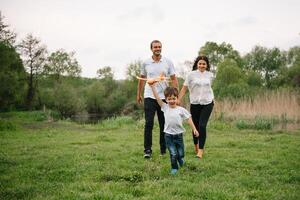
159,101
190,122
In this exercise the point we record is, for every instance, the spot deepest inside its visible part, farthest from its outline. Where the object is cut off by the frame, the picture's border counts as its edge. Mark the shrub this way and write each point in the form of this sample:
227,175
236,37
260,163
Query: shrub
257,124
7,126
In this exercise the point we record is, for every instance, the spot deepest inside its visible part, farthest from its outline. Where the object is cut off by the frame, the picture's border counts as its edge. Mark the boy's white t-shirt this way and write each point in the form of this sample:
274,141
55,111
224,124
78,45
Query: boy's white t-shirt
174,118
199,84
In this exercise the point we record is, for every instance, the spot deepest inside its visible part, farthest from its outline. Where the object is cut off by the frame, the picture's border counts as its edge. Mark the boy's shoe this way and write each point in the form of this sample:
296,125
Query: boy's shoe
181,162
174,171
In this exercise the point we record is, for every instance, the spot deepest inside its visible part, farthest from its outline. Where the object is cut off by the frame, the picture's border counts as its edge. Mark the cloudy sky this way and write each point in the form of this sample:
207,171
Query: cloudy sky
117,32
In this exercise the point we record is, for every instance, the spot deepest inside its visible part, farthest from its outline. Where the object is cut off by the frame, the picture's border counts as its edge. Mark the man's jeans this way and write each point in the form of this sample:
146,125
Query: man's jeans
175,146
151,106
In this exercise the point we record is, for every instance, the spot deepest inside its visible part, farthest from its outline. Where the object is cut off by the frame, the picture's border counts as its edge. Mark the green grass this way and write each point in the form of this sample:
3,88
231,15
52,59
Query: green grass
64,160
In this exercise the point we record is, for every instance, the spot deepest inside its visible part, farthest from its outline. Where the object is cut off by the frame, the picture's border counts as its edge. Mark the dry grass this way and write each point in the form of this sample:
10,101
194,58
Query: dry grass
279,104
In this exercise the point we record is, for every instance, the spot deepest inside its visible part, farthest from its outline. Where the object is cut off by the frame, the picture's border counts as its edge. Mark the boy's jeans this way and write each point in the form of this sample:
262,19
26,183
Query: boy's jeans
176,148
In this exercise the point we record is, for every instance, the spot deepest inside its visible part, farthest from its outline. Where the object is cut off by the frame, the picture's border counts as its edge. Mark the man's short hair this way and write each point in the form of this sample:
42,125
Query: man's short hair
154,41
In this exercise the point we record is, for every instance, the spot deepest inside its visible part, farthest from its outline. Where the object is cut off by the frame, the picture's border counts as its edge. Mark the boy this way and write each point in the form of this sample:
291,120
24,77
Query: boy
174,115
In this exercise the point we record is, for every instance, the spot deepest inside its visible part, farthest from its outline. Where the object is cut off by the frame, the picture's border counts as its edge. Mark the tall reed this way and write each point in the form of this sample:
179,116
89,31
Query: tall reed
282,104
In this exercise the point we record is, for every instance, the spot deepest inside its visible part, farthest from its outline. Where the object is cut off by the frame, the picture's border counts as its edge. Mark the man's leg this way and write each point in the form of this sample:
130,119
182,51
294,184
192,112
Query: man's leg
161,121
149,108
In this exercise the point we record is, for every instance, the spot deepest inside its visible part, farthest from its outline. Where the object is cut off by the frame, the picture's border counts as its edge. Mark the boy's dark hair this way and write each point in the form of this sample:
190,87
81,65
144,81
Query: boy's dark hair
169,91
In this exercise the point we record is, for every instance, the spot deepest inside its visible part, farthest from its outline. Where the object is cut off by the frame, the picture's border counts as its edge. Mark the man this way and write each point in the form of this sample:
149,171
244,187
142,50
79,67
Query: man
154,67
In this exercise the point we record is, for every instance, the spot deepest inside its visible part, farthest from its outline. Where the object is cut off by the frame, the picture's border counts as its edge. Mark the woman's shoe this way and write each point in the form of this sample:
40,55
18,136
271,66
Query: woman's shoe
200,153
196,148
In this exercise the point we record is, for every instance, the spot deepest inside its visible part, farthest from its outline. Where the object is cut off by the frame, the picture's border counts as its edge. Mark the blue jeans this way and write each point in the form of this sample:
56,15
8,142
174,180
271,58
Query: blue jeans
175,146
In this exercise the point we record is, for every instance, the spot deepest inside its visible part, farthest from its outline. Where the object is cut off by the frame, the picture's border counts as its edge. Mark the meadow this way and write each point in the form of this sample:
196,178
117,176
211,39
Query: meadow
42,158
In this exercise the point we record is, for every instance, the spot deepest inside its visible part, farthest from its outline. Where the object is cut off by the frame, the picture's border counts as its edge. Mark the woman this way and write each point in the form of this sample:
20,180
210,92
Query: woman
199,82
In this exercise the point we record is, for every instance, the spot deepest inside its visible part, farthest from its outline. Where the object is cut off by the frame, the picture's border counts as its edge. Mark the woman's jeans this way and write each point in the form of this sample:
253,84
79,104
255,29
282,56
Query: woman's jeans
175,146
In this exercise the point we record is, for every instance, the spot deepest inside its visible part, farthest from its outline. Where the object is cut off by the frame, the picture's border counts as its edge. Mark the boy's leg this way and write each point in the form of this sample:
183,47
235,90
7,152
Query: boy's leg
172,150
149,108
180,149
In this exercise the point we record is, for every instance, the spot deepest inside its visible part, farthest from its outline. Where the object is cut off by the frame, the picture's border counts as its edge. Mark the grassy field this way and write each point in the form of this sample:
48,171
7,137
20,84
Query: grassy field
41,159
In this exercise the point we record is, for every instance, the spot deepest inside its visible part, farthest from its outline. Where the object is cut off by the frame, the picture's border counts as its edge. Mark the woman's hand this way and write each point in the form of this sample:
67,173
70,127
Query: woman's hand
196,133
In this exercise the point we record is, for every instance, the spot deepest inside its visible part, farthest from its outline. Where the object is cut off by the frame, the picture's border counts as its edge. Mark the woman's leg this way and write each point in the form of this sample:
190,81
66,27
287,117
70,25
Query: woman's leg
203,119
195,112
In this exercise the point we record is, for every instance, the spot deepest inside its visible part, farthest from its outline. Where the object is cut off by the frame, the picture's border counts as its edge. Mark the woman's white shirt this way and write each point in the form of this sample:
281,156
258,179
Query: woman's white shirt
199,85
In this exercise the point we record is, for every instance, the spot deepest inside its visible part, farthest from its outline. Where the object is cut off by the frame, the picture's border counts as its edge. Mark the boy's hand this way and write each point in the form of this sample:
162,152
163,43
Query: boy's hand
196,133
151,81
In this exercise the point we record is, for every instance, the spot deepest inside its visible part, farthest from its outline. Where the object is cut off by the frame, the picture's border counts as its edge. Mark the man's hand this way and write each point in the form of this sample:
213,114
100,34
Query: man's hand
139,99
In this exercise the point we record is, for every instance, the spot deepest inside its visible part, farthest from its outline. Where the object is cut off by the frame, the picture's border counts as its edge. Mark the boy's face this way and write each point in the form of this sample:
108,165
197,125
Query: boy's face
172,100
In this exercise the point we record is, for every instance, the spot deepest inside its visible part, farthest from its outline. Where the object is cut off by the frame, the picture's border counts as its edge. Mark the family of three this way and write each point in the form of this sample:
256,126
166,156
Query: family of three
164,100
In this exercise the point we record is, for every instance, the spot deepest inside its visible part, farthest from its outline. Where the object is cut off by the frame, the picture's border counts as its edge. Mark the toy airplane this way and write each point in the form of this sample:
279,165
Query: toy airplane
161,77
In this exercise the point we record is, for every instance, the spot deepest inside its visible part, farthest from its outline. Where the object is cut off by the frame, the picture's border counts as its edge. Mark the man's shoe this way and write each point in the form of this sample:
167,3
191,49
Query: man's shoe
147,155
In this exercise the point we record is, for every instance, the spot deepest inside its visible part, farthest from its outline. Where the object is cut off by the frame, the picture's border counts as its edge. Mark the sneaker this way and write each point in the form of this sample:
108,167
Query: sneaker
147,154
181,162
174,171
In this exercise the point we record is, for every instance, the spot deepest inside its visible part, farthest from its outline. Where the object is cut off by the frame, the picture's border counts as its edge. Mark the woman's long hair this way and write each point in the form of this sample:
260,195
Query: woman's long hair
195,66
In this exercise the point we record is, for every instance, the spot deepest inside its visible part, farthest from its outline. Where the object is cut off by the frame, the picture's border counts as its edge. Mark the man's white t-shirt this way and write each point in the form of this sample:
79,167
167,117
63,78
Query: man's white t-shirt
152,69
174,118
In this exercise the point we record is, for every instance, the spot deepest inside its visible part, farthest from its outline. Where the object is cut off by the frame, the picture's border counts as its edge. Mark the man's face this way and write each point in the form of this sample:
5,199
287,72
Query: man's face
156,48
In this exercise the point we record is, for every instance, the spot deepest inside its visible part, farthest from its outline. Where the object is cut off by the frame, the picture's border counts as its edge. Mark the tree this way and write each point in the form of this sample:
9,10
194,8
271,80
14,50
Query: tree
105,73
217,53
230,80
12,72
6,35
265,61
61,63
34,57
12,77
133,70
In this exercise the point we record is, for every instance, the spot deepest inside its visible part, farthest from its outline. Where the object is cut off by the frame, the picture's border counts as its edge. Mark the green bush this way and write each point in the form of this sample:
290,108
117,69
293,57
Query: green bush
116,122
7,125
67,101
258,124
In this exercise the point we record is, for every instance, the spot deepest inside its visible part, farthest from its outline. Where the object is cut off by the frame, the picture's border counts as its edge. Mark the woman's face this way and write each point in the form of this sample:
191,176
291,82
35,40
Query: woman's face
202,65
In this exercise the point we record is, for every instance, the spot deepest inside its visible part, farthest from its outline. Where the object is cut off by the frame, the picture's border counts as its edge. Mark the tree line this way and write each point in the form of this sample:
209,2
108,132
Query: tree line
32,78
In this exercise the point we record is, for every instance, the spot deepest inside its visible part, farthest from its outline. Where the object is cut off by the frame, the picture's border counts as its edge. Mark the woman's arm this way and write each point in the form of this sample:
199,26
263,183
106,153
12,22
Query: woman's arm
182,93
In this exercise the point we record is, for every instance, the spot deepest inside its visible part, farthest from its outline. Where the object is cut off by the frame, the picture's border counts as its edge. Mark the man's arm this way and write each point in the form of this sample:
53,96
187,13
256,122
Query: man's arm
140,86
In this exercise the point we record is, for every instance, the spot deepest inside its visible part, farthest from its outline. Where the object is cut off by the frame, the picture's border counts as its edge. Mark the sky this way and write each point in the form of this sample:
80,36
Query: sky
116,33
